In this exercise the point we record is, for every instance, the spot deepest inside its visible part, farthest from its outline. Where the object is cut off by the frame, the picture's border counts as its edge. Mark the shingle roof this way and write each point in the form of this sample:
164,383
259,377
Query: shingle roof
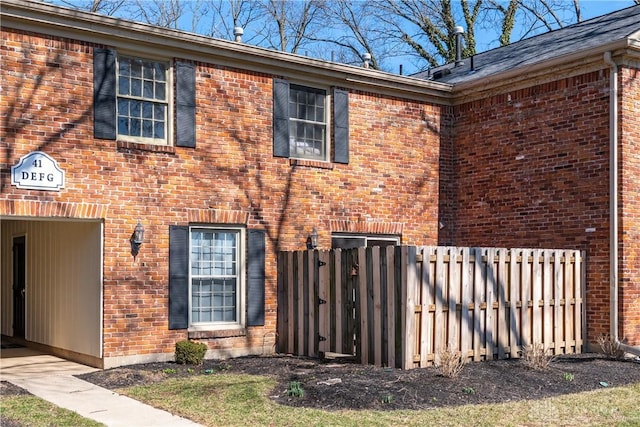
568,40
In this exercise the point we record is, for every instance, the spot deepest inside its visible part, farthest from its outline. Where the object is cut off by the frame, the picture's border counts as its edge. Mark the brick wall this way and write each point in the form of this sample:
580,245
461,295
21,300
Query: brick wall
391,182
629,282
531,170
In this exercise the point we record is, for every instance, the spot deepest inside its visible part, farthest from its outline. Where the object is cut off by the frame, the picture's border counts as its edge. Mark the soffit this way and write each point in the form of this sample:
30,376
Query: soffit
94,28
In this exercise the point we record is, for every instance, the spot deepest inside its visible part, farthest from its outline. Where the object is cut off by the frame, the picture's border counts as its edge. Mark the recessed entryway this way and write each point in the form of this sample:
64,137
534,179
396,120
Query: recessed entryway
51,285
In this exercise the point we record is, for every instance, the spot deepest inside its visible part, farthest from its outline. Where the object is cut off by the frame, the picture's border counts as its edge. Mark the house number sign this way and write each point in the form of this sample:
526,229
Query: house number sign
37,171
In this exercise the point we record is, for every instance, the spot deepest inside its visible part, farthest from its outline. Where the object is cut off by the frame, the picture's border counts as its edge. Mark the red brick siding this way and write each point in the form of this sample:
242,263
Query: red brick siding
531,170
629,232
231,176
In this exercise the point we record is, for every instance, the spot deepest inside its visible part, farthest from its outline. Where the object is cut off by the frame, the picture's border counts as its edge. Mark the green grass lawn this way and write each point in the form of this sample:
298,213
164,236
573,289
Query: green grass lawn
34,412
240,400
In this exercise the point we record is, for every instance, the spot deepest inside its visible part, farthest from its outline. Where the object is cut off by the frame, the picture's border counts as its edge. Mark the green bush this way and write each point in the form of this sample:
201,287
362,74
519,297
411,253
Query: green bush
190,352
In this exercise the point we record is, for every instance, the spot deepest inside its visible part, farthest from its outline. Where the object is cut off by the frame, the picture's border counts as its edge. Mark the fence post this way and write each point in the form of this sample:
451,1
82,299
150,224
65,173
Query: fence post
536,290
426,295
324,296
503,332
391,306
409,281
300,320
363,324
514,297
453,298
478,296
336,300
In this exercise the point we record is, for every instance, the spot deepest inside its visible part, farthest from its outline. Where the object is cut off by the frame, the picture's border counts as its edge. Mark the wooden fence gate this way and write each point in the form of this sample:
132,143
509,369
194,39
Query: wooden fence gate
401,306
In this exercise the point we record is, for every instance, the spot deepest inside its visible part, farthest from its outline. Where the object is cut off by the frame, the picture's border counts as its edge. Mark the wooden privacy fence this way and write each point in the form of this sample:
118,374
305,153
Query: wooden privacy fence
402,306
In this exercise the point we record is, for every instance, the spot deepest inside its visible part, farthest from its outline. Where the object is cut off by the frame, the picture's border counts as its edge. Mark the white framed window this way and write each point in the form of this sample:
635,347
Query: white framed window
143,94
308,123
216,278
350,241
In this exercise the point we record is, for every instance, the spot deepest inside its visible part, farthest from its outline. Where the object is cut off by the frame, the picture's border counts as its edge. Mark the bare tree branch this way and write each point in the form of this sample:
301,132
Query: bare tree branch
105,7
576,7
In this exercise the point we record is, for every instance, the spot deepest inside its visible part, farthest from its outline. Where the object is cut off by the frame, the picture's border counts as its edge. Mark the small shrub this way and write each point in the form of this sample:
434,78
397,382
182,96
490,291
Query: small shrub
468,390
386,399
295,389
190,352
567,376
169,371
609,346
535,356
451,362
223,366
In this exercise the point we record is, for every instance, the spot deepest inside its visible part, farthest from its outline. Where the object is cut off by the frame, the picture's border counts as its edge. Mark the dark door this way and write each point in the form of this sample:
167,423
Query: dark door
19,266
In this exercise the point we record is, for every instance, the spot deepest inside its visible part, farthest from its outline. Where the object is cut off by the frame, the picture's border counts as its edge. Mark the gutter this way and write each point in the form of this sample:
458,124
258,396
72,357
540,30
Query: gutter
613,207
28,15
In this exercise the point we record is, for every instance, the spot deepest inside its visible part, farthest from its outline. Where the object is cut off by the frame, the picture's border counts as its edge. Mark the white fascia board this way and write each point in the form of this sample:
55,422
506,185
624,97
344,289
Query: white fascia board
118,33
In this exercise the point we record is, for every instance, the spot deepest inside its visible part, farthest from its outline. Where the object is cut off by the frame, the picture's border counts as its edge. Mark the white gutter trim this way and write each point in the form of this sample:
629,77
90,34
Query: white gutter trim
613,207
123,34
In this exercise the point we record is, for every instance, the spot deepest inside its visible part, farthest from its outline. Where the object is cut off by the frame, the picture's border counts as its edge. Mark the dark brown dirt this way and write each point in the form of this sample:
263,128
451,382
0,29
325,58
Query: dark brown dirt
341,384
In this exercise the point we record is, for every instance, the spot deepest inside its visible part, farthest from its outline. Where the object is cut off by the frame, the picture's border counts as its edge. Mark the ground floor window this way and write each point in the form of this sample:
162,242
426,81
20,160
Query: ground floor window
350,241
216,277
215,282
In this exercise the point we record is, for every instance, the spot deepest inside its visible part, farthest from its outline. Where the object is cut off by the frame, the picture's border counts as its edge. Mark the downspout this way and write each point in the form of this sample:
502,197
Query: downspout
613,206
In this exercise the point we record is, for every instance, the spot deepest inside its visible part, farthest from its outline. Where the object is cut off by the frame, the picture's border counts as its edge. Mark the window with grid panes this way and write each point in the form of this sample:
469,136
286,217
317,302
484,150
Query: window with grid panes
215,288
308,123
142,100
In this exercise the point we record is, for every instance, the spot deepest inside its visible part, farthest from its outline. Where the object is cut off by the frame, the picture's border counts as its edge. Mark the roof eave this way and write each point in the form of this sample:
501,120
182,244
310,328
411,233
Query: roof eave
109,31
529,72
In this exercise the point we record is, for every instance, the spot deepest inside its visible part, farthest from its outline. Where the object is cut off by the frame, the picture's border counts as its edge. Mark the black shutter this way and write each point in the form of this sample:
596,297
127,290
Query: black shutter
255,281
185,105
280,118
104,93
178,277
341,126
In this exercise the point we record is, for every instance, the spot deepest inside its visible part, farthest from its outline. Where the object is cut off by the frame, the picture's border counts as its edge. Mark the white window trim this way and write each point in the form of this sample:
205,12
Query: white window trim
368,236
170,99
241,308
328,115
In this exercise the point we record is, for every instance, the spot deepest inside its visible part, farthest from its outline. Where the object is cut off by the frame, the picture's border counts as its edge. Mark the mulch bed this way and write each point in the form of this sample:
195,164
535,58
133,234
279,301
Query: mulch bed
342,384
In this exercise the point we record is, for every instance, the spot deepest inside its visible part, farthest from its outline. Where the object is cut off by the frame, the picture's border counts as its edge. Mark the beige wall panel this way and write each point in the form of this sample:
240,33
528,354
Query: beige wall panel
63,302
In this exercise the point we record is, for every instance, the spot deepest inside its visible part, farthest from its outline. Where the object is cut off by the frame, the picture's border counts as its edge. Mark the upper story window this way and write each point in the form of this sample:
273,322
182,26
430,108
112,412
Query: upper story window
142,106
133,99
307,123
302,117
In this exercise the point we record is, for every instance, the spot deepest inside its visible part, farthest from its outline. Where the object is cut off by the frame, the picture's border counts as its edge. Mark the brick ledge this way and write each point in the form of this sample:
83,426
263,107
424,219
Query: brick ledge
223,333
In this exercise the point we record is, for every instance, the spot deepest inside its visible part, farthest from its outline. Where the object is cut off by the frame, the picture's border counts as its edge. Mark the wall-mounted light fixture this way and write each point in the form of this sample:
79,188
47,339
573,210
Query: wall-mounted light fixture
136,239
312,240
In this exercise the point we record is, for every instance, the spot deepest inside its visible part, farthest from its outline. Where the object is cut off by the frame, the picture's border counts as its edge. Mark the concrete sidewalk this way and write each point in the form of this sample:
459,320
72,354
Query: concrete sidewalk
51,379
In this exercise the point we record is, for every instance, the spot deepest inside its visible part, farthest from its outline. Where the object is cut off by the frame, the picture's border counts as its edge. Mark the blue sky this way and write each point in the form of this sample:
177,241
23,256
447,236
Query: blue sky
589,9
486,38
